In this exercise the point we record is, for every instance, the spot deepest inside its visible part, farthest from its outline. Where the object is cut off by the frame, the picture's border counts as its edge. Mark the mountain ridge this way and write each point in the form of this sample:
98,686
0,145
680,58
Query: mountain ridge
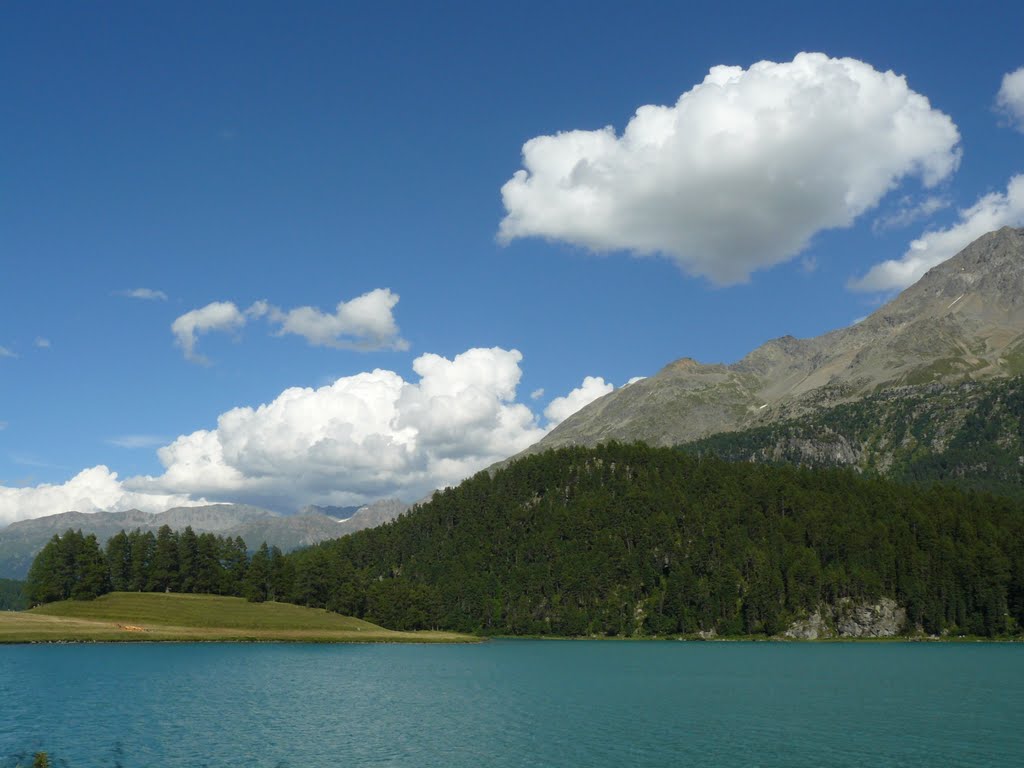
964,319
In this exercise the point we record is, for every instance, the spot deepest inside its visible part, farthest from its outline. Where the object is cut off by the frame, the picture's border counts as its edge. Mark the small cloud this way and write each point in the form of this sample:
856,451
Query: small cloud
3,425
137,441
989,213
42,343
859,320
561,408
537,394
147,294
1010,99
634,380
366,322
908,212
5,352
216,316
33,461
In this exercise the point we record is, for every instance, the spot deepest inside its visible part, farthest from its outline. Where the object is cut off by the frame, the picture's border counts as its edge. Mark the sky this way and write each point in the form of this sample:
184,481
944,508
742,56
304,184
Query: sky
324,253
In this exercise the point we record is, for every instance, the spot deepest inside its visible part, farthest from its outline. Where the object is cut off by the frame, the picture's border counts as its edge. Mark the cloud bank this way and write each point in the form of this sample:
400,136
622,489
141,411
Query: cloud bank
740,173
991,212
361,438
1010,98
91,490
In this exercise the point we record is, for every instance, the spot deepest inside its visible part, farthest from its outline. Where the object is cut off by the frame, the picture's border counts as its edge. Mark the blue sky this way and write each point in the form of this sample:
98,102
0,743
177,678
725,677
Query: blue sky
306,154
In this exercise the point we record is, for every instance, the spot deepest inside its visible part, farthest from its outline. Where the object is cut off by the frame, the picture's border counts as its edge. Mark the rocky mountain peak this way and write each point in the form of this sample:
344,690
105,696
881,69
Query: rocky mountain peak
963,320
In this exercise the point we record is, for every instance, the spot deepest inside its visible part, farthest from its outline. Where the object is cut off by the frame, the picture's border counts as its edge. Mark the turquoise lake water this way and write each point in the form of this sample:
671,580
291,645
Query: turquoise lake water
514,703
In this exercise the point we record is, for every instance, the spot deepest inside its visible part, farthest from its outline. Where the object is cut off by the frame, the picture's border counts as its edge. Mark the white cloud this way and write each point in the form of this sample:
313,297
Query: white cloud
5,352
537,394
991,212
634,380
137,441
741,172
42,343
1011,97
89,491
360,438
216,316
147,294
561,408
365,322
3,425
909,211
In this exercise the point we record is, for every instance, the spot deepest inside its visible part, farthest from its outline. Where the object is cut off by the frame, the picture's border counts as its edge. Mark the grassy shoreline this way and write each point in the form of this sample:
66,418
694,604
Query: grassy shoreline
122,617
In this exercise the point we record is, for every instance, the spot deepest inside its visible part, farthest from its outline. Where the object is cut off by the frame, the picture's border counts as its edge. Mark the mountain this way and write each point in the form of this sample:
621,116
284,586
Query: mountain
962,321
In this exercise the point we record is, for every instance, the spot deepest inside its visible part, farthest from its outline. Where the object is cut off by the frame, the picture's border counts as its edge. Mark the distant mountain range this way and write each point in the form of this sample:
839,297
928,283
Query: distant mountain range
962,321
21,541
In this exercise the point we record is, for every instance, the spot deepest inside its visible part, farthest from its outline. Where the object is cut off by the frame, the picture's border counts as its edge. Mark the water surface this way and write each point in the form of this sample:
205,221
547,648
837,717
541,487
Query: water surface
514,703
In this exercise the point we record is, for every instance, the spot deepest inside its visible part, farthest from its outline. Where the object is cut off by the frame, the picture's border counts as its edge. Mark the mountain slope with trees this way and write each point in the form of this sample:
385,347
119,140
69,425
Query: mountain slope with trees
630,540
970,434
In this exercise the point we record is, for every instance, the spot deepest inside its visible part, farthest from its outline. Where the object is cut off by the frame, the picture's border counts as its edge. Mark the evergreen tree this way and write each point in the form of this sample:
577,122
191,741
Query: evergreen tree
119,561
257,586
235,560
143,548
164,575
188,546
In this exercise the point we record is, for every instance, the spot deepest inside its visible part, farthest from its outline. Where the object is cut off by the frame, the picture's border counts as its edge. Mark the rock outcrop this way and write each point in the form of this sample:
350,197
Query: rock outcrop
851,619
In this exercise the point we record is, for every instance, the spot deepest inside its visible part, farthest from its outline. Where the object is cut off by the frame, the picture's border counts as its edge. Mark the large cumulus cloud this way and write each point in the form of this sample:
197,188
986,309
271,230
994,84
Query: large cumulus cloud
363,437
741,172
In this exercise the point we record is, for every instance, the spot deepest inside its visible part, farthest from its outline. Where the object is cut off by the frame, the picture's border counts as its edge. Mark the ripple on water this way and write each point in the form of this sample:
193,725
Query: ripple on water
513,703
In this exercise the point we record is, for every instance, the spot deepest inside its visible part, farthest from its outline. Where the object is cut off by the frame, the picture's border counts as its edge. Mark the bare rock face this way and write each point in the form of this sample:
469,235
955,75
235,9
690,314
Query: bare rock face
963,320
850,619
882,619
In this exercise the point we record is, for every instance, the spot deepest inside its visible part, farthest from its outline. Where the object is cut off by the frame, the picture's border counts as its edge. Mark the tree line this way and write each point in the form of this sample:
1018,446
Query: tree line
75,566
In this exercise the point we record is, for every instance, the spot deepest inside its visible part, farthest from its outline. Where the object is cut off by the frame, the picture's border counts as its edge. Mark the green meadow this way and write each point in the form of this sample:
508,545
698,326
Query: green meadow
142,617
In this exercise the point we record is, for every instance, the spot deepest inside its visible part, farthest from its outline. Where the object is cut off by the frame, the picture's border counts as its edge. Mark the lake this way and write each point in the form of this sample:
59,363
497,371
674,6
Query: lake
514,703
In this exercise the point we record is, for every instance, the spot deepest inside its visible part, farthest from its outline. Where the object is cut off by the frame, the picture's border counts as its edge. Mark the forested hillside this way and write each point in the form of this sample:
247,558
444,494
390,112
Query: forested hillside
631,540
622,540
970,433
